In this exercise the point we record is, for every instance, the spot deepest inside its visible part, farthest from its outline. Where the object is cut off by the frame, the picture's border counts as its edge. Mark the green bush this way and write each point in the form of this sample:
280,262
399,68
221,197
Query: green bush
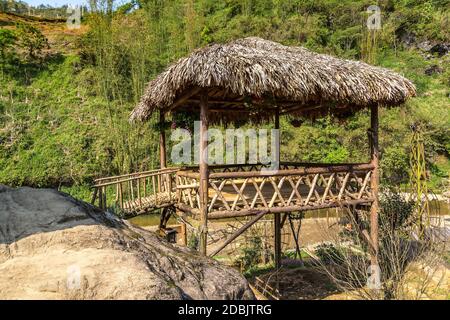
64,120
328,253
251,253
30,39
7,41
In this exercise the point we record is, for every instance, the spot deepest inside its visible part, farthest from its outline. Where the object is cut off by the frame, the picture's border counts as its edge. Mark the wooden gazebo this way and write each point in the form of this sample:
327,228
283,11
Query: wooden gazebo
259,80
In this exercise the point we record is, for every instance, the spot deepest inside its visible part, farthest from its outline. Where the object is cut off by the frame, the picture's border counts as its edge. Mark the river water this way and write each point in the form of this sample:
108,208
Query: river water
145,220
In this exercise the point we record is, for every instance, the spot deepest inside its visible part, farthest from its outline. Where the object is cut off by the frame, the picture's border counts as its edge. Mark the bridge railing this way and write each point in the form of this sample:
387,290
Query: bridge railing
136,192
295,187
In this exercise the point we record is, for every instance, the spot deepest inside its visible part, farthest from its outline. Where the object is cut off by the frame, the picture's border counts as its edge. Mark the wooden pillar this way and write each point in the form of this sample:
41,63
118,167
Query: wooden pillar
204,173
374,184
277,216
162,141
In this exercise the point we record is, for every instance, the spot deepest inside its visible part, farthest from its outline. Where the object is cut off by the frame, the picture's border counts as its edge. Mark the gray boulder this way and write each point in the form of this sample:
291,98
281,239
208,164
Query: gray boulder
55,247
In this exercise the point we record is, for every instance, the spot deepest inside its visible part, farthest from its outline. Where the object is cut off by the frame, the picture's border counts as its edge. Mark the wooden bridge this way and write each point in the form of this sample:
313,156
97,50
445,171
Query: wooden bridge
238,190
136,193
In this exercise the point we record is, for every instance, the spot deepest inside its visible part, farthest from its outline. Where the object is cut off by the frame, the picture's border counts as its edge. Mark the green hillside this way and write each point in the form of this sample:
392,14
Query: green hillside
64,109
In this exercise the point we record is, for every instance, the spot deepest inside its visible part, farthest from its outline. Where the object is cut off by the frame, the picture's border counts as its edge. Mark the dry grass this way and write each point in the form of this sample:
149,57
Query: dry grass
61,39
254,75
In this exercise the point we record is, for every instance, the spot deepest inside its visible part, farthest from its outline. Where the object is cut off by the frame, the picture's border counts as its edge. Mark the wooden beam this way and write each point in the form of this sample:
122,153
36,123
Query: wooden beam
299,171
221,214
162,141
203,172
277,216
298,108
214,101
238,233
183,99
188,209
375,180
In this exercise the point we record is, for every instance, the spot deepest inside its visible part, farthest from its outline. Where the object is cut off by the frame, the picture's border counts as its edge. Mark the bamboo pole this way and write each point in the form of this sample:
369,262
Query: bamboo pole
184,234
276,216
203,173
104,199
120,195
294,172
162,149
221,214
100,197
94,196
162,141
374,184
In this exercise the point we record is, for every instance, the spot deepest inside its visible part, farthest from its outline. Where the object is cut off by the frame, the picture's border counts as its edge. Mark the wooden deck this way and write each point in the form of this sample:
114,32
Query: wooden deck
149,203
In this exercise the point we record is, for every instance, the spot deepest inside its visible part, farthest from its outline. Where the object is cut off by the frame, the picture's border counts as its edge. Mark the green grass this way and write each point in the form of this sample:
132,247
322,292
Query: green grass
63,120
291,254
258,270
81,192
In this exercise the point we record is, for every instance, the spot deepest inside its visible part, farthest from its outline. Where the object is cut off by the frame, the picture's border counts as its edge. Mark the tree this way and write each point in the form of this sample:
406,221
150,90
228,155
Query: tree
31,39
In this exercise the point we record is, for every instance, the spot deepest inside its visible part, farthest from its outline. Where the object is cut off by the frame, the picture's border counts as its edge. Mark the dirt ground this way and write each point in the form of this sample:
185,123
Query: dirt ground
294,283
61,39
299,282
313,231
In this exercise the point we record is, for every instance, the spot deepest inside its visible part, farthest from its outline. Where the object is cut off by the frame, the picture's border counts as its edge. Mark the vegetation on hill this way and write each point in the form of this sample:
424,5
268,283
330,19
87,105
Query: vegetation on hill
64,110
42,11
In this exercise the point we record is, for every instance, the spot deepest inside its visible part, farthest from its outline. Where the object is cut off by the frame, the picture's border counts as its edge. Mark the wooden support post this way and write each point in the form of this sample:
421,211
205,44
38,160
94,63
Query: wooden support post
120,196
162,148
162,141
375,180
277,234
203,188
104,203
94,196
277,216
100,197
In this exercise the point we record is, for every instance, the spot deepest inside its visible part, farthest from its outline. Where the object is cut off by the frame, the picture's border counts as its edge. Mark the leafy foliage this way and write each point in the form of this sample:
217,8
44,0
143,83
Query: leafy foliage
251,253
30,39
7,41
64,118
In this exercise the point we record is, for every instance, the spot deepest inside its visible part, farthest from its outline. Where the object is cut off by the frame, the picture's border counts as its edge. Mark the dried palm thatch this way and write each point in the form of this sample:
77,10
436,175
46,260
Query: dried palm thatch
250,78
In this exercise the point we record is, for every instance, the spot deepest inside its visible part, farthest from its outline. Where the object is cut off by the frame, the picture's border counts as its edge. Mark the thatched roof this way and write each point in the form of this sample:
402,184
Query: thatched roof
248,78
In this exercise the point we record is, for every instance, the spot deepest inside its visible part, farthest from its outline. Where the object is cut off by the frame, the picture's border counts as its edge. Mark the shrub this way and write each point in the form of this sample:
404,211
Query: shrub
251,253
7,41
328,253
31,39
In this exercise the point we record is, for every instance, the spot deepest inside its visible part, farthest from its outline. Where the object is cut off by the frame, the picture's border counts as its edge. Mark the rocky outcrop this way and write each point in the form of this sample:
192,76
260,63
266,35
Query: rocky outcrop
55,247
440,49
434,69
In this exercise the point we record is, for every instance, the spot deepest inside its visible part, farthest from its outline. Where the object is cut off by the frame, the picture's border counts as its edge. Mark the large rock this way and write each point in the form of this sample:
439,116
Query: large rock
55,247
